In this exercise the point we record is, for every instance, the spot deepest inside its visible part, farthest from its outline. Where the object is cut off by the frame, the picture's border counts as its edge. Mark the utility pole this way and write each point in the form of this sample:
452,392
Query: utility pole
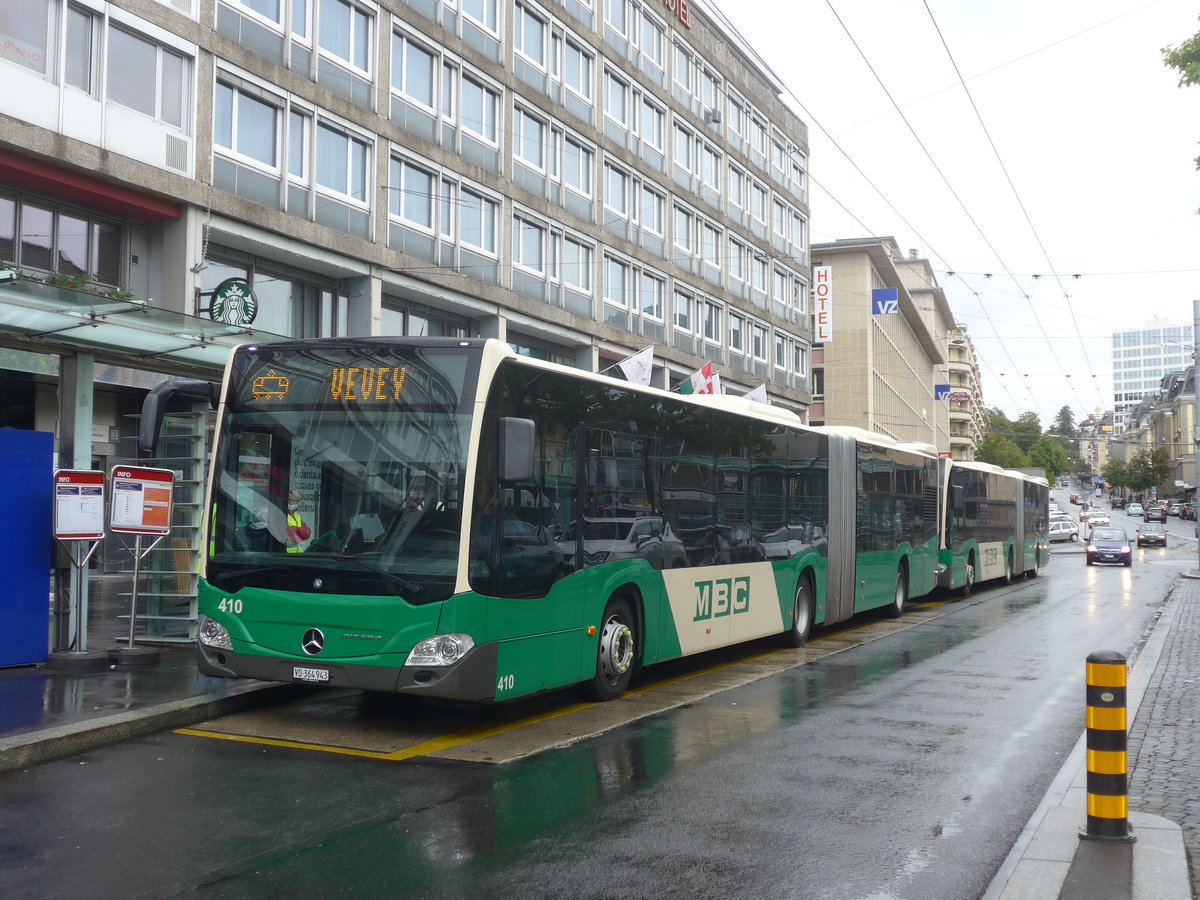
1195,416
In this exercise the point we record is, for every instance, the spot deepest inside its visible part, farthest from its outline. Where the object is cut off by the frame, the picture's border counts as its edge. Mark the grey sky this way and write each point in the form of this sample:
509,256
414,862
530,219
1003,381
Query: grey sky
1086,123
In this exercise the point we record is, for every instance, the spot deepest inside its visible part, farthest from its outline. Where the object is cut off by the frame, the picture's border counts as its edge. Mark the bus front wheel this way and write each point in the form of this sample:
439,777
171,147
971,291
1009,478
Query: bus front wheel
802,616
615,654
900,598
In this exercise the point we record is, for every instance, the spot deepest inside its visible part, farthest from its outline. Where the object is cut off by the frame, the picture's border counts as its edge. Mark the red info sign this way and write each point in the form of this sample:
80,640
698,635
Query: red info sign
141,500
78,505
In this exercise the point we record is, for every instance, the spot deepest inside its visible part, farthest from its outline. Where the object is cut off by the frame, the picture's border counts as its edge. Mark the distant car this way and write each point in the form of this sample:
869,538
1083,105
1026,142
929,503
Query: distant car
1152,534
1156,514
1118,502
1109,545
1063,530
1074,498
1173,508
1188,511
1098,518
1135,509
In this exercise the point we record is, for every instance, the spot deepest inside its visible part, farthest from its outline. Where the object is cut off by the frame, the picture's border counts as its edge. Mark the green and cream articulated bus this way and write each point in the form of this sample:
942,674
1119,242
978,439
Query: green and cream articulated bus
443,517
995,525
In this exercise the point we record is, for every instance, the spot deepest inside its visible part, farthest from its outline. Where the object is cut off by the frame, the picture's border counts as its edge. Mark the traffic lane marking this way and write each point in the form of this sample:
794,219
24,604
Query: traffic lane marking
505,738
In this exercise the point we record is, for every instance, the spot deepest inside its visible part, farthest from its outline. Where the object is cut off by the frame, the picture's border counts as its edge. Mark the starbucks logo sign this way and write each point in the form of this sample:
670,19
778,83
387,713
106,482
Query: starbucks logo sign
233,302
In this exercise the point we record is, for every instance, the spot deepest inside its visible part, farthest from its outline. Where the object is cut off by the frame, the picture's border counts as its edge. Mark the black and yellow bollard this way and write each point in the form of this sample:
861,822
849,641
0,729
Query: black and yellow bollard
1107,760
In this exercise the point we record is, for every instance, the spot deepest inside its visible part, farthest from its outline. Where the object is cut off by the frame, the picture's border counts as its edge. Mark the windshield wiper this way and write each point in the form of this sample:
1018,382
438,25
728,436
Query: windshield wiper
412,587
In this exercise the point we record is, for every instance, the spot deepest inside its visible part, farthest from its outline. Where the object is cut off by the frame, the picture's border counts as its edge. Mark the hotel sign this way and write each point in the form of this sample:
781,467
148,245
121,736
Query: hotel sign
822,304
681,11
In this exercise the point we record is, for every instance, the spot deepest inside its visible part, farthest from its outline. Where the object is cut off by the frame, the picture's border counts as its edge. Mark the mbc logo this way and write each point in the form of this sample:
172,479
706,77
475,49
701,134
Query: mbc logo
723,597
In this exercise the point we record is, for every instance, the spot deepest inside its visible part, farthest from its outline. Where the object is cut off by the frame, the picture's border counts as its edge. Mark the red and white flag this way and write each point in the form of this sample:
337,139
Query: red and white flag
702,381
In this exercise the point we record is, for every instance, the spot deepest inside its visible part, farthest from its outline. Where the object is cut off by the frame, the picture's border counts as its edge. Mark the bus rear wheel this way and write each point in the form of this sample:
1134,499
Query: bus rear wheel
615,653
802,616
900,598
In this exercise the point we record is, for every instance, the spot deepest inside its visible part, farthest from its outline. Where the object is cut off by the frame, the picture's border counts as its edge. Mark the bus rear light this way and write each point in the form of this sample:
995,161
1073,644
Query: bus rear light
440,650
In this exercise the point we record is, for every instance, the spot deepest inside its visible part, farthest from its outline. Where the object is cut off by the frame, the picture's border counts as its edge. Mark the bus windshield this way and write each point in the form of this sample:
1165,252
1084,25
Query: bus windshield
340,471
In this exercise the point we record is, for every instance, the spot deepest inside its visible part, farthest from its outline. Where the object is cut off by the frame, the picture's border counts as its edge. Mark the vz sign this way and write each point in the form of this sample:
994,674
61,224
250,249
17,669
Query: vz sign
723,597
884,301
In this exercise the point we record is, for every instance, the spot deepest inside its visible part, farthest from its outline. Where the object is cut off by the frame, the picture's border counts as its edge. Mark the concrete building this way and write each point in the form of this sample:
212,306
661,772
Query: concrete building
579,178
1140,359
968,415
887,347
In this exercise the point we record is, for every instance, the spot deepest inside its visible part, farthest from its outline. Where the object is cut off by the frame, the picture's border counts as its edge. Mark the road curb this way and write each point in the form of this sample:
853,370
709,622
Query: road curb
22,750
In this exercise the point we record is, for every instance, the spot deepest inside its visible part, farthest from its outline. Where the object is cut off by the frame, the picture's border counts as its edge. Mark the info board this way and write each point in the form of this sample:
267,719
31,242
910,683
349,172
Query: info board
78,505
141,500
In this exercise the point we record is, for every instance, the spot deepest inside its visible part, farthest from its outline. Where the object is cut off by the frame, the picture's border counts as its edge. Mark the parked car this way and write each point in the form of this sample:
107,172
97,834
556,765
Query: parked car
1188,511
1156,514
1135,509
1152,534
1173,507
1063,530
1109,545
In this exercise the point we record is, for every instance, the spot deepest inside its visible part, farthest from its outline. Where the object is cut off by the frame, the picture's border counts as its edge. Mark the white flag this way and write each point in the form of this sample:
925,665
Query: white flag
759,394
639,367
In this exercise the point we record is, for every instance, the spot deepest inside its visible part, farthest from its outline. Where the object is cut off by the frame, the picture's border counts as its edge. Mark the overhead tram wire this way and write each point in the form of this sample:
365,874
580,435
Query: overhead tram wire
925,150
1021,203
926,241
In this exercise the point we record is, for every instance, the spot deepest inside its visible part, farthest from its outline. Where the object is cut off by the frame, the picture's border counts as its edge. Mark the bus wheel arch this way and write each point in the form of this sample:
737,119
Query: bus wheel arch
900,595
617,648
803,611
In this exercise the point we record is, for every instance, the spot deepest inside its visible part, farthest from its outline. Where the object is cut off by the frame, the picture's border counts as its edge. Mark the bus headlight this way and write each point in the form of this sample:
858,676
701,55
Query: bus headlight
441,650
212,634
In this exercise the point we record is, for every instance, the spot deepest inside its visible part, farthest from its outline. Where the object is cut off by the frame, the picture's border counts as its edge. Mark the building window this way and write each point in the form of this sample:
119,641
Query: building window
528,244
577,70
683,312
413,68
616,189
53,238
577,264
737,327
477,220
146,77
529,139
345,33
616,282
529,35
712,321
483,12
479,106
26,27
246,125
616,98
652,290
412,194
577,167
341,162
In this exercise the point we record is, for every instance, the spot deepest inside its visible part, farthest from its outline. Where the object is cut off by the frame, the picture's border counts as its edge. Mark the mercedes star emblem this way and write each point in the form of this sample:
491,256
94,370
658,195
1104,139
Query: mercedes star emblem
314,641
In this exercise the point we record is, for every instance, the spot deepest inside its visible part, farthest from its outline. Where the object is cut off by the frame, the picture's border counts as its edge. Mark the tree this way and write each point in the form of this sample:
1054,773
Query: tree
1185,58
1000,451
1048,453
1064,423
1026,430
1116,473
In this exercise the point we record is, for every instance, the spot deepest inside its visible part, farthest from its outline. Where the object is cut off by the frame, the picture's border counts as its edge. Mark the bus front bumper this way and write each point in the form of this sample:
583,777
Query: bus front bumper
473,678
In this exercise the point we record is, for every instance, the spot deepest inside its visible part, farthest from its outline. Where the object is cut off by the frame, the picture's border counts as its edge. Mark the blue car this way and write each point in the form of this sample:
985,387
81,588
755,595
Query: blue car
1109,545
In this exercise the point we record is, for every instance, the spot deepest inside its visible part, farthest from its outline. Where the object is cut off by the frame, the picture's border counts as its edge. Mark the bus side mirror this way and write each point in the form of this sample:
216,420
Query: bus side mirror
154,407
516,449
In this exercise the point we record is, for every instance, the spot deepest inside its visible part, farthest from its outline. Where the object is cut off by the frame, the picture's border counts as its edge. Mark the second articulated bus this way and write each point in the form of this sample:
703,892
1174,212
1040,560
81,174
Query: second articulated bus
443,517
995,524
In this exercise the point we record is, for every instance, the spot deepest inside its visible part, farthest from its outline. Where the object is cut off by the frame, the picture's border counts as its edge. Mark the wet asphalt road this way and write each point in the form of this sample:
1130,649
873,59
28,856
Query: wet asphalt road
905,767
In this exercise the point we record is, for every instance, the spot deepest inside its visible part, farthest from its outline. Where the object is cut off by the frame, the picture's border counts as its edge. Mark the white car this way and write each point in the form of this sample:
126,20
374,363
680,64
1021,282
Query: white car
1063,530
1098,518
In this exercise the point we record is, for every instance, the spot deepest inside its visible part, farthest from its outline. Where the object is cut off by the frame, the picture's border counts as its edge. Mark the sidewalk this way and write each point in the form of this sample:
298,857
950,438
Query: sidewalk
1049,859
47,714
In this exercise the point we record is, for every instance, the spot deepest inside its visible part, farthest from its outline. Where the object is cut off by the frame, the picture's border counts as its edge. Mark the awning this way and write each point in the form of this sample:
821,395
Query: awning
48,319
